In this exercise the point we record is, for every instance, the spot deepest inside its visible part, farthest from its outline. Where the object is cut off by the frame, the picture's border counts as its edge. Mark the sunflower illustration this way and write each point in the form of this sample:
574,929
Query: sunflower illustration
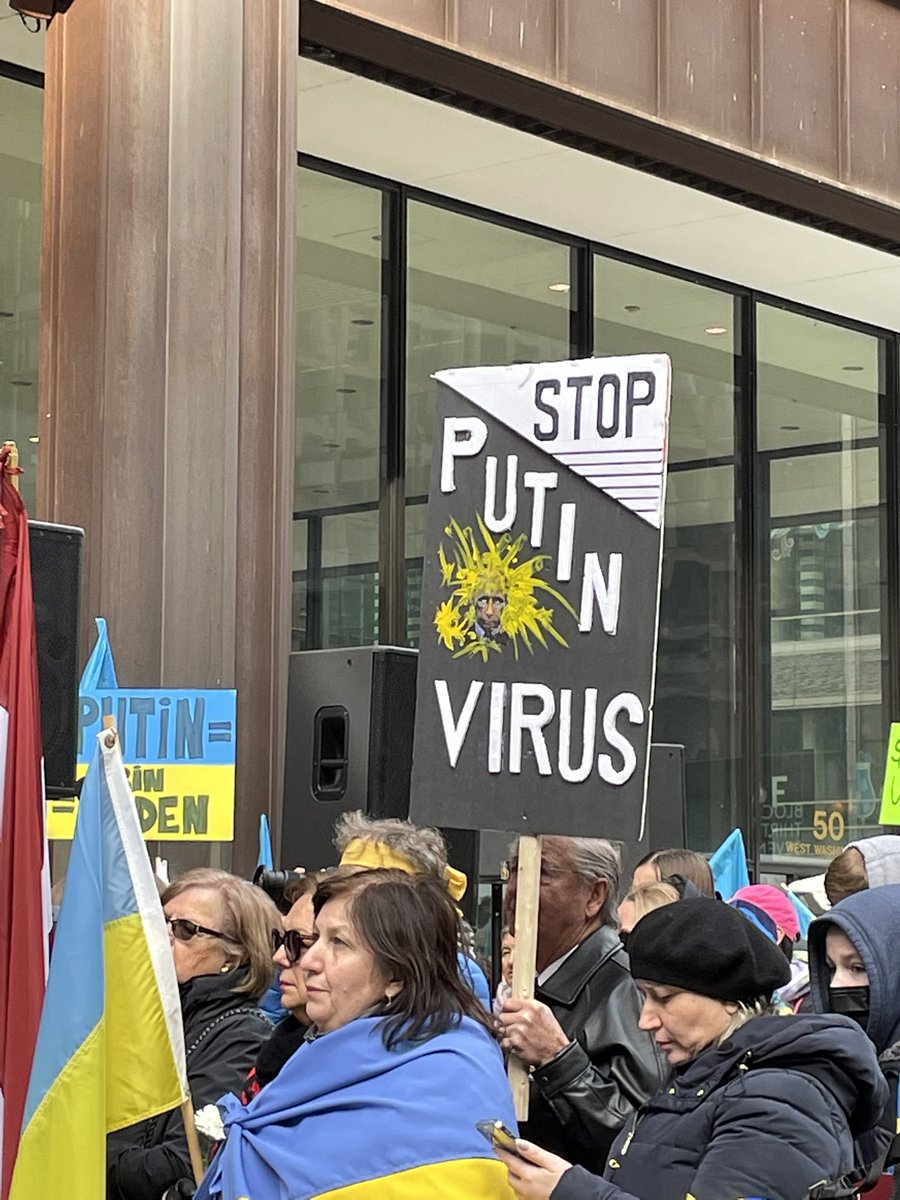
495,599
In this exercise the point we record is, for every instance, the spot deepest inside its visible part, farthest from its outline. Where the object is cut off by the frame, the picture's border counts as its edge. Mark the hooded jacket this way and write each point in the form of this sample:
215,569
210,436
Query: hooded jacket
870,920
882,858
771,1112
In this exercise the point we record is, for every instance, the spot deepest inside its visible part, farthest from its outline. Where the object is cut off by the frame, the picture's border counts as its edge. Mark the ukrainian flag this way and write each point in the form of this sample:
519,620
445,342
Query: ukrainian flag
110,1049
348,1119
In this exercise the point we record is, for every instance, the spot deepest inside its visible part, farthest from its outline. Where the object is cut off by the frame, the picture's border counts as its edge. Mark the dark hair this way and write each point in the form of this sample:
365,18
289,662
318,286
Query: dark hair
687,863
786,946
303,885
411,926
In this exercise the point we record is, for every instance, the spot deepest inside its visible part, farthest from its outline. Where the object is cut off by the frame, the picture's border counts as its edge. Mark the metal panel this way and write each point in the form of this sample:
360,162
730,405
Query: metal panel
609,49
707,76
874,97
800,83
519,32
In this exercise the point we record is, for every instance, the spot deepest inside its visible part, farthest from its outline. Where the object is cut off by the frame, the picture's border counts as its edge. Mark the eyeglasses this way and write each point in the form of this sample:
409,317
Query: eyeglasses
183,929
295,943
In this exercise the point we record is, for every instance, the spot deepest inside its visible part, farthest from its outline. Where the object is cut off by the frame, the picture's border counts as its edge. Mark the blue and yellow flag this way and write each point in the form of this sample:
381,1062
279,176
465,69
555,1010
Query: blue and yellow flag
729,865
346,1119
110,1048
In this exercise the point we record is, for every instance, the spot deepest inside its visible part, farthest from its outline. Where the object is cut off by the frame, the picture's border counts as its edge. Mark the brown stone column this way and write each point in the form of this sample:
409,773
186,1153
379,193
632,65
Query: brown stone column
168,348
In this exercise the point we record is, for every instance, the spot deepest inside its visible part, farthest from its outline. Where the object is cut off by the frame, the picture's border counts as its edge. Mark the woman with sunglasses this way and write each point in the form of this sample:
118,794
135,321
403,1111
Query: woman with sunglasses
288,947
220,932
382,1098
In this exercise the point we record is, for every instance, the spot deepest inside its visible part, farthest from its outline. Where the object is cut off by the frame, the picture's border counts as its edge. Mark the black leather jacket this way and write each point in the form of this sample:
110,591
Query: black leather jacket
582,1098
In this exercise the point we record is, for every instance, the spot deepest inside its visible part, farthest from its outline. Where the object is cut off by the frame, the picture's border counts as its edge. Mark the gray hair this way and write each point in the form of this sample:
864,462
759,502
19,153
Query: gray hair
425,848
597,860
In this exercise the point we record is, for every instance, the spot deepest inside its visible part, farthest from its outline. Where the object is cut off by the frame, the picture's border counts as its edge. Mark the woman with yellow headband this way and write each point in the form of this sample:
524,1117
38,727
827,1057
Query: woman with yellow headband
369,844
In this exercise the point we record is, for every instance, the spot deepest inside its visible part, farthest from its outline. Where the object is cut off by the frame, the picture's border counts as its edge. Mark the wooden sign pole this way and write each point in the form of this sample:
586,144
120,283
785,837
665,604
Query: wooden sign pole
528,890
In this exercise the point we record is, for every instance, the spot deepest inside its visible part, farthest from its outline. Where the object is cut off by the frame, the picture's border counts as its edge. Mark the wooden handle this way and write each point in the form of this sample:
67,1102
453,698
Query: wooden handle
193,1140
528,891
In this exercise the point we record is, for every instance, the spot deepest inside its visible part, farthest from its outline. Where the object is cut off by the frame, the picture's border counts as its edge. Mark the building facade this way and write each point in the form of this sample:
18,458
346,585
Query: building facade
263,228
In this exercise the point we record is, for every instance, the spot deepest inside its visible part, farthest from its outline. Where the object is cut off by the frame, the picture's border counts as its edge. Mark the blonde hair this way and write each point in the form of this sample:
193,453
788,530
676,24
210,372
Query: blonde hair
248,919
746,1011
649,897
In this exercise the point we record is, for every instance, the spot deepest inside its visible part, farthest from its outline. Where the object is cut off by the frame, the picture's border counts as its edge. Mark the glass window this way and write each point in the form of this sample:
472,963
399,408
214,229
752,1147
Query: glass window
21,143
824,733
478,294
641,311
337,435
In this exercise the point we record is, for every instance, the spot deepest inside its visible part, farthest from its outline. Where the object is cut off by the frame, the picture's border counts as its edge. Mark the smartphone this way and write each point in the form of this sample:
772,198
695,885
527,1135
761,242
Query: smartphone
499,1136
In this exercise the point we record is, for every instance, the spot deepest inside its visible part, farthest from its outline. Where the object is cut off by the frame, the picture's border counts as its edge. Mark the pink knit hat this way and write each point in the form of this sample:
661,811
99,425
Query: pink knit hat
775,903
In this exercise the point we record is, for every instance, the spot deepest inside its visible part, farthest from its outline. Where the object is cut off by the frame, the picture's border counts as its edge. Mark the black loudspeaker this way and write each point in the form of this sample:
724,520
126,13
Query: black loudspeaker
56,586
350,718
664,826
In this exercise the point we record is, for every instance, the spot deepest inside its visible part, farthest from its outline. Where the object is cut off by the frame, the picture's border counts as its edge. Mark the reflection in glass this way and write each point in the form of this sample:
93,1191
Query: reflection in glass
21,145
822,661
641,311
336,489
478,294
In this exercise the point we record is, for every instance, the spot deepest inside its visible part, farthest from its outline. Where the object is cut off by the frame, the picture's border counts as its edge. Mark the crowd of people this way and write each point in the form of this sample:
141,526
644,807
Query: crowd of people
677,1045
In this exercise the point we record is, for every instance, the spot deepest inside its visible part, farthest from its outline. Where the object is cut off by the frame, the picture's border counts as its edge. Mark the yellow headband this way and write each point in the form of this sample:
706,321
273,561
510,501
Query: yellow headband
375,856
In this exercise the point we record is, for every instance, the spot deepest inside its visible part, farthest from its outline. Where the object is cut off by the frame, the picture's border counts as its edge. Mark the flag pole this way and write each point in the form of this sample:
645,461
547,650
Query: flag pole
187,1106
13,462
193,1140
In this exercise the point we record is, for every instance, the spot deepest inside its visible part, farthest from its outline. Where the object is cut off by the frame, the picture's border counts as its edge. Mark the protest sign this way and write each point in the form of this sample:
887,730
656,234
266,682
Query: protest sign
540,597
179,747
890,794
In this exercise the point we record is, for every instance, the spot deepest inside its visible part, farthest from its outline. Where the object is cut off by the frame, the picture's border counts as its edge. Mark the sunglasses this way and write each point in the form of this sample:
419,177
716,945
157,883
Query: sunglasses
295,944
183,929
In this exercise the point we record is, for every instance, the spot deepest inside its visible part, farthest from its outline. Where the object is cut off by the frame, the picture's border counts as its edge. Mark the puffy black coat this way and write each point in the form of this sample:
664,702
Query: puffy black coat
771,1113
582,1098
223,1033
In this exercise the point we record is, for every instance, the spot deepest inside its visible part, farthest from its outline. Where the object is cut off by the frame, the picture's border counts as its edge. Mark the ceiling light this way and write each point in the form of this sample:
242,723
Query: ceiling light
715,330
20,383
332,445
791,428
852,368
34,440
632,308
559,287
346,391
361,321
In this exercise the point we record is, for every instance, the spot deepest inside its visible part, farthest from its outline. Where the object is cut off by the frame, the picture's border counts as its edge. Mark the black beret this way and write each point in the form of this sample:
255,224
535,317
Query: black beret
705,946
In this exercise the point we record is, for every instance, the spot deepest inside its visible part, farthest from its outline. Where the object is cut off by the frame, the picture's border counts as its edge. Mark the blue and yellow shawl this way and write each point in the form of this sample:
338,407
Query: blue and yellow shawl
346,1119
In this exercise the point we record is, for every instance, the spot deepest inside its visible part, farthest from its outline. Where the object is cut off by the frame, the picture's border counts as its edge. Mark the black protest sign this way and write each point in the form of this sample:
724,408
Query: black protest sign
540,597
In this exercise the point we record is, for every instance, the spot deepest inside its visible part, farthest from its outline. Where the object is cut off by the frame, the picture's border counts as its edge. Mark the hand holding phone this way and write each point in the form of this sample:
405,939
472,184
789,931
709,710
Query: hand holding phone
499,1136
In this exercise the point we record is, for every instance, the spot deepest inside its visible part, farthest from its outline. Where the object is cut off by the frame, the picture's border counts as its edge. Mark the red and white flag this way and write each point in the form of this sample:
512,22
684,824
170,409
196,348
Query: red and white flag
23,857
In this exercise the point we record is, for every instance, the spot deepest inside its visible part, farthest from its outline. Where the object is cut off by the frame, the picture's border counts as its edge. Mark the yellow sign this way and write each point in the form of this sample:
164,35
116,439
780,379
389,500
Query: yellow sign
890,795
175,803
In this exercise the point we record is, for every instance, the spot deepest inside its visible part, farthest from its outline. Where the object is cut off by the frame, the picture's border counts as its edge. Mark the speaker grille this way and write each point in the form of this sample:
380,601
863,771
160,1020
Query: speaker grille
56,584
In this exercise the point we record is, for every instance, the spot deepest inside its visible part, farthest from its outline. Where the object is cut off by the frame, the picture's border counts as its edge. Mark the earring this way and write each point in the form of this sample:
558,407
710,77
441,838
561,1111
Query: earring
224,969
388,1001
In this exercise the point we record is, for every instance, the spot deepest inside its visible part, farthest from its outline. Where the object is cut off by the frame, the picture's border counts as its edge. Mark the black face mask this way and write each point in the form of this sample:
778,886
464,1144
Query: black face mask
850,1002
